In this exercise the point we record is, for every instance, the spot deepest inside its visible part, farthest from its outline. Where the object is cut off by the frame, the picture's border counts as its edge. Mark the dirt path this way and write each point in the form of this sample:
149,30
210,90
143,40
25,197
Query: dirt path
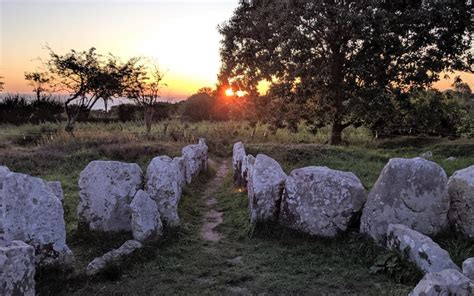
212,217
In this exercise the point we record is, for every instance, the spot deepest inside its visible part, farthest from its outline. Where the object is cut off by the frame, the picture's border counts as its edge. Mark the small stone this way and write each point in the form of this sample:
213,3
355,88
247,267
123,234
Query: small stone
202,141
427,155
446,282
422,250
57,189
17,269
106,189
451,158
267,184
461,194
468,268
146,223
114,256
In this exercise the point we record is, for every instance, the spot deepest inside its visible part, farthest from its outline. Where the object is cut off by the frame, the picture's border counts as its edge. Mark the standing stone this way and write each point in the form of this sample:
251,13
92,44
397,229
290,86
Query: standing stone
412,192
461,194
267,184
422,250
146,223
320,201
106,190
57,189
181,163
196,157
3,174
247,165
163,184
468,268
33,214
238,155
446,282
114,256
17,269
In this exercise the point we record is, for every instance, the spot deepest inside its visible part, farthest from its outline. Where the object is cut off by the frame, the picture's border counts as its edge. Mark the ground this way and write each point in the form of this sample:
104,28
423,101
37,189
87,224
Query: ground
216,250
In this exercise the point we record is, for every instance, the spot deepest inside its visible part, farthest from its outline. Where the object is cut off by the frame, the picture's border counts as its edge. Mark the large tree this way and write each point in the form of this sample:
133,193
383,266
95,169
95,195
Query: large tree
336,61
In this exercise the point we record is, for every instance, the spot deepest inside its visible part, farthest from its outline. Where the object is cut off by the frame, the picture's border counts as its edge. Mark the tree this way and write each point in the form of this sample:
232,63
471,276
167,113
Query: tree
86,77
38,81
143,85
340,60
2,84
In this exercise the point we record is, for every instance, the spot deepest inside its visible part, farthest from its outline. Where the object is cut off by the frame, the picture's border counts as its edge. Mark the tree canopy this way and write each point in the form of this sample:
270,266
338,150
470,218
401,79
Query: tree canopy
338,62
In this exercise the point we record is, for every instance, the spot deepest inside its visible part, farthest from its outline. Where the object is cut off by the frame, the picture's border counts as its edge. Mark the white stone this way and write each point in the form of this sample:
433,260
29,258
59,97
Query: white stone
412,192
114,256
163,184
238,155
468,268
146,223
461,194
267,184
181,163
196,157
451,158
3,173
427,155
202,141
247,165
33,214
17,269
447,282
422,250
321,201
106,190
57,189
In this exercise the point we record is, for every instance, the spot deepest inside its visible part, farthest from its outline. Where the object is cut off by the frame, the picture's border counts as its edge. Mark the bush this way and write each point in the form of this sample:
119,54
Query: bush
18,110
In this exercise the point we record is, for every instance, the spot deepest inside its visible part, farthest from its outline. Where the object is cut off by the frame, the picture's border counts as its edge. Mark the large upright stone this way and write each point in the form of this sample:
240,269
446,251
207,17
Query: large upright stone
422,250
238,155
146,223
113,257
247,166
449,282
181,163
106,190
321,201
267,184
163,184
17,269
461,194
412,192
33,214
196,157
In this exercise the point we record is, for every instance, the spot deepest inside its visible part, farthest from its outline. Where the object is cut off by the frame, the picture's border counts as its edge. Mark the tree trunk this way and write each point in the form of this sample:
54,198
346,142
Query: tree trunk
148,115
336,133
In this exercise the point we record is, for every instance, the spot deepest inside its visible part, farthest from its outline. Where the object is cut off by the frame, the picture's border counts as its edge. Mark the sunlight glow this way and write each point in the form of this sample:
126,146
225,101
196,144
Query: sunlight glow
229,92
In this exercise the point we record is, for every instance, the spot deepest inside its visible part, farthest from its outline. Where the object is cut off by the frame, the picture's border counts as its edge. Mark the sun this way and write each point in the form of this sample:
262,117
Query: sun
229,92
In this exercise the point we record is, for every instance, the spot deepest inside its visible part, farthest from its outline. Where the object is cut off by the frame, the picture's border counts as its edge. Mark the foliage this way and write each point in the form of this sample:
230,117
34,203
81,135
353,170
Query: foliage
39,82
198,107
397,266
18,110
337,62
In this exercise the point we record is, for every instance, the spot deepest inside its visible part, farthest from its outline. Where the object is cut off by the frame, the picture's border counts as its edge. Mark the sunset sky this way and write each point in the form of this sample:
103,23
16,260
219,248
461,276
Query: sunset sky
180,35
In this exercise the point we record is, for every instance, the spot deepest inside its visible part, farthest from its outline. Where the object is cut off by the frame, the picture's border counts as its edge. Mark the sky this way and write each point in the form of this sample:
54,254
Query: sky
180,36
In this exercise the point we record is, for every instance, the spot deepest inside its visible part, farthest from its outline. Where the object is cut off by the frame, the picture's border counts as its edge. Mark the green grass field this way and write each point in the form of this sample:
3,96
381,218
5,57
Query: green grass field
248,259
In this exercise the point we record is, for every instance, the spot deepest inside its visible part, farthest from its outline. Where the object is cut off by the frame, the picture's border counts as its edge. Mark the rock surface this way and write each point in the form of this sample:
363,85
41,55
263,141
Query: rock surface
446,282
106,190
468,268
33,214
181,163
422,250
247,166
114,256
461,194
412,192
238,155
17,272
3,173
321,201
163,184
267,184
146,223
196,160
57,189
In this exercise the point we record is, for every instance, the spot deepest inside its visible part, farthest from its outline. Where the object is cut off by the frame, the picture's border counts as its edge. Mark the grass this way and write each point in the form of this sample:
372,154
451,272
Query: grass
263,259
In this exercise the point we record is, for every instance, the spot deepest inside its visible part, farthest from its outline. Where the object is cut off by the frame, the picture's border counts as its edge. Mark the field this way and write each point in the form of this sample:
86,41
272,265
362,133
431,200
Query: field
248,259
